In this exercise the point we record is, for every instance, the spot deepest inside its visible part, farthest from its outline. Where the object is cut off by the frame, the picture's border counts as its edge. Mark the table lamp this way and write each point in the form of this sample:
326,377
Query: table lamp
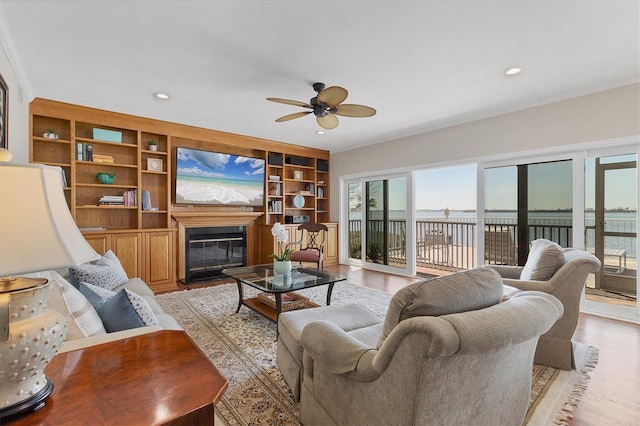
37,233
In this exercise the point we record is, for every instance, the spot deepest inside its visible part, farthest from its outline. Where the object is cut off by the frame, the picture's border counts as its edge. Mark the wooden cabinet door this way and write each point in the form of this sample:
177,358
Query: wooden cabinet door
159,260
128,248
331,247
100,243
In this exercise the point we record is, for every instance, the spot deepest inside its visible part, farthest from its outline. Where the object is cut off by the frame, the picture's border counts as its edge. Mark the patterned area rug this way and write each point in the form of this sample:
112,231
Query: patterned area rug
243,347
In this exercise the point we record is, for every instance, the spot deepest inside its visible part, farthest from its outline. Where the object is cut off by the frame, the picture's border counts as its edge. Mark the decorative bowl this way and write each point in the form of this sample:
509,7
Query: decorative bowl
106,178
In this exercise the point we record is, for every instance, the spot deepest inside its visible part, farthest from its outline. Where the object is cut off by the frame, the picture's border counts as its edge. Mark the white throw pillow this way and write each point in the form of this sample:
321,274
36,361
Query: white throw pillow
75,306
107,272
545,258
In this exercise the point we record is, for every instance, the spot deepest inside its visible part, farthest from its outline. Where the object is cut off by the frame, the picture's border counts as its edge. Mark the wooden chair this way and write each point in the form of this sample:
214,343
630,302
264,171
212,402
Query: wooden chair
313,237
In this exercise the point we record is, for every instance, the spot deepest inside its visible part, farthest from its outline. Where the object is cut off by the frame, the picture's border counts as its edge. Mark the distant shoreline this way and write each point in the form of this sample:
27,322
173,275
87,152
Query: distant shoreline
536,210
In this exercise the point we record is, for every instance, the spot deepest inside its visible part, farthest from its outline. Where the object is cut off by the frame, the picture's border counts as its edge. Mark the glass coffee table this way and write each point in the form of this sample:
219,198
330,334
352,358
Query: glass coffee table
279,288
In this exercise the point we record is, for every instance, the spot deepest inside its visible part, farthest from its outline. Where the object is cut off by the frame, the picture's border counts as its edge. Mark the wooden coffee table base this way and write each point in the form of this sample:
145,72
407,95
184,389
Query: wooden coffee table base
151,379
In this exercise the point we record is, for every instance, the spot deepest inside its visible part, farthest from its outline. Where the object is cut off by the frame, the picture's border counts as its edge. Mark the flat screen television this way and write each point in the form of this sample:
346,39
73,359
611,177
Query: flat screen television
213,178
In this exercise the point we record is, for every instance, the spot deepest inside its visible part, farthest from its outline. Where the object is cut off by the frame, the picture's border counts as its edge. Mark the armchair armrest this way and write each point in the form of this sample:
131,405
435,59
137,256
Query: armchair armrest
525,285
339,353
507,271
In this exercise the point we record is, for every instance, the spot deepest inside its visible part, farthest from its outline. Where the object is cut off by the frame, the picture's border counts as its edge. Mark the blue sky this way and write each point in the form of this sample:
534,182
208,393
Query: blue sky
210,164
550,188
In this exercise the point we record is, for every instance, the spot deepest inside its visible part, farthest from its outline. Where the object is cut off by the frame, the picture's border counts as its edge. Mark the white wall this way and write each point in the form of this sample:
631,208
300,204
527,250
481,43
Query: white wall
599,116
18,142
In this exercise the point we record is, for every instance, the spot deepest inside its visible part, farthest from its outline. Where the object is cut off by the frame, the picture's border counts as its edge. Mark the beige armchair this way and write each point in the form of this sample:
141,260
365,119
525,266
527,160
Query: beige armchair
567,278
472,367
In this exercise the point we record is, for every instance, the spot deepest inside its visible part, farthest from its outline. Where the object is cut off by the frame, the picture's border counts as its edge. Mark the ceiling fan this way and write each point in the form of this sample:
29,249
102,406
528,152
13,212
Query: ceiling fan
325,106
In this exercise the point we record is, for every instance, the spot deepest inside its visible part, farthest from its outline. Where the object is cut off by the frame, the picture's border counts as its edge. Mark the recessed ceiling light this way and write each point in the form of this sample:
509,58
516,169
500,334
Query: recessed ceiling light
513,71
161,95
319,132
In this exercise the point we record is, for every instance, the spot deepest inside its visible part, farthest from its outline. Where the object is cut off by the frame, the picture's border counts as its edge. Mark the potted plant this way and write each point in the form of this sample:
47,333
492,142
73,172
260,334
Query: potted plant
153,145
50,134
281,263
374,253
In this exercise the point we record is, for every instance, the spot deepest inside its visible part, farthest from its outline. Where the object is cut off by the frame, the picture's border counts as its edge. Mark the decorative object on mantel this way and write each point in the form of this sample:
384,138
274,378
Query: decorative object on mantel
50,134
106,178
46,237
281,263
153,145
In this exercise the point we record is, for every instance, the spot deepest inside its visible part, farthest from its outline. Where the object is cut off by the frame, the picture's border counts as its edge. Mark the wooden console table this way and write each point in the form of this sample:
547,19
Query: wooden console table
151,379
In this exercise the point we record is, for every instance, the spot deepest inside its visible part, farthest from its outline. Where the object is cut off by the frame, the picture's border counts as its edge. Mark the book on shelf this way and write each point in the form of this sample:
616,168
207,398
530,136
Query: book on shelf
84,152
65,183
275,206
99,158
131,198
146,200
112,200
275,189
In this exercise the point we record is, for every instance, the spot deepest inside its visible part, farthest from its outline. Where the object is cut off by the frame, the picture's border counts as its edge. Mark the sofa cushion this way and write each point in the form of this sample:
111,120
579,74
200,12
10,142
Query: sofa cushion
137,286
106,272
82,319
126,310
94,294
463,291
545,257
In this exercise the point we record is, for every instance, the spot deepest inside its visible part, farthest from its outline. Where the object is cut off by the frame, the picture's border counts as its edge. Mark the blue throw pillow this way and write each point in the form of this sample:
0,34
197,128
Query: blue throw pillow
125,310
95,295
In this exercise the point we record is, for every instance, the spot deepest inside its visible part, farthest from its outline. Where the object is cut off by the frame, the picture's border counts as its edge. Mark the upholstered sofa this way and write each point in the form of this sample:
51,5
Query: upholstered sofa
432,360
561,272
447,352
84,325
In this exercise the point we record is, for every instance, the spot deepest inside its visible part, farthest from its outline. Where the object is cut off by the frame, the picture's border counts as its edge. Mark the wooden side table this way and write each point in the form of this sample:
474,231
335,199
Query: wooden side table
151,379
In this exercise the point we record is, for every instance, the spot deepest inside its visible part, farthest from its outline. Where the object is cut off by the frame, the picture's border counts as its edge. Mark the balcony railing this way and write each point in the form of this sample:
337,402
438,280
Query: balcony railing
450,244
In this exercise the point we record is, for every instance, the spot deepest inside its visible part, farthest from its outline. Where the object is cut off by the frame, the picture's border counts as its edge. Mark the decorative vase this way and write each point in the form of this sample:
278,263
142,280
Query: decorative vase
49,135
153,147
28,342
282,266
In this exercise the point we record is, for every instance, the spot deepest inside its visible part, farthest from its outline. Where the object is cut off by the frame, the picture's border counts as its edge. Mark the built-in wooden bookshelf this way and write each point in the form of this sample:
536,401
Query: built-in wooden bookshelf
120,146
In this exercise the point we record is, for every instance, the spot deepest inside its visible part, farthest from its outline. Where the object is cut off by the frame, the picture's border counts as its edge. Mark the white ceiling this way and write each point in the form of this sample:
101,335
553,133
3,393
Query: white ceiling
422,64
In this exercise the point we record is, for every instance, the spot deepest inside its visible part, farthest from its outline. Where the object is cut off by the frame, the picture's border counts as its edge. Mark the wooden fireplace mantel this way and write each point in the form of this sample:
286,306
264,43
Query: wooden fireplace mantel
199,219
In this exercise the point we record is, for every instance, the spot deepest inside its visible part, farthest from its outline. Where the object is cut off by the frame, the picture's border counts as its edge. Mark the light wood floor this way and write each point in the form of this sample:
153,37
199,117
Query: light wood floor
613,393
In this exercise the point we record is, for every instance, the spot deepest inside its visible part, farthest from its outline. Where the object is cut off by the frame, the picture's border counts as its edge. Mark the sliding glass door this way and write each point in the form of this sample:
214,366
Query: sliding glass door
378,223
611,221
525,202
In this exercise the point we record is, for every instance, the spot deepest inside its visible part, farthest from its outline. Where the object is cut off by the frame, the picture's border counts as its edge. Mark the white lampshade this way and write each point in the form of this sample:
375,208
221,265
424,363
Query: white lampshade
37,231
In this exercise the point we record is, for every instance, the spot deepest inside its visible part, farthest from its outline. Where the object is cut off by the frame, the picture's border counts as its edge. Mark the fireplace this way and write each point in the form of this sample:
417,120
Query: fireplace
209,250
186,220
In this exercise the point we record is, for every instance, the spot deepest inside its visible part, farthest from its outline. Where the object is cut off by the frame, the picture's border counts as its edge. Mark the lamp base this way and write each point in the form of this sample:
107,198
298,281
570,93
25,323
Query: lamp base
33,403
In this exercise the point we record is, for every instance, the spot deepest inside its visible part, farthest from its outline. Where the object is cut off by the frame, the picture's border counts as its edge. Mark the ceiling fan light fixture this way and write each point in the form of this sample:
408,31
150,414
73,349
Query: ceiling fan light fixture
326,106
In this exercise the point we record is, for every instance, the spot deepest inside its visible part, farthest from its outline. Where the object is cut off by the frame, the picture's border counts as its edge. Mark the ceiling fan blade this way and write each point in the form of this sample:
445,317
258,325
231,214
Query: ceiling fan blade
353,110
333,96
292,116
328,122
290,102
